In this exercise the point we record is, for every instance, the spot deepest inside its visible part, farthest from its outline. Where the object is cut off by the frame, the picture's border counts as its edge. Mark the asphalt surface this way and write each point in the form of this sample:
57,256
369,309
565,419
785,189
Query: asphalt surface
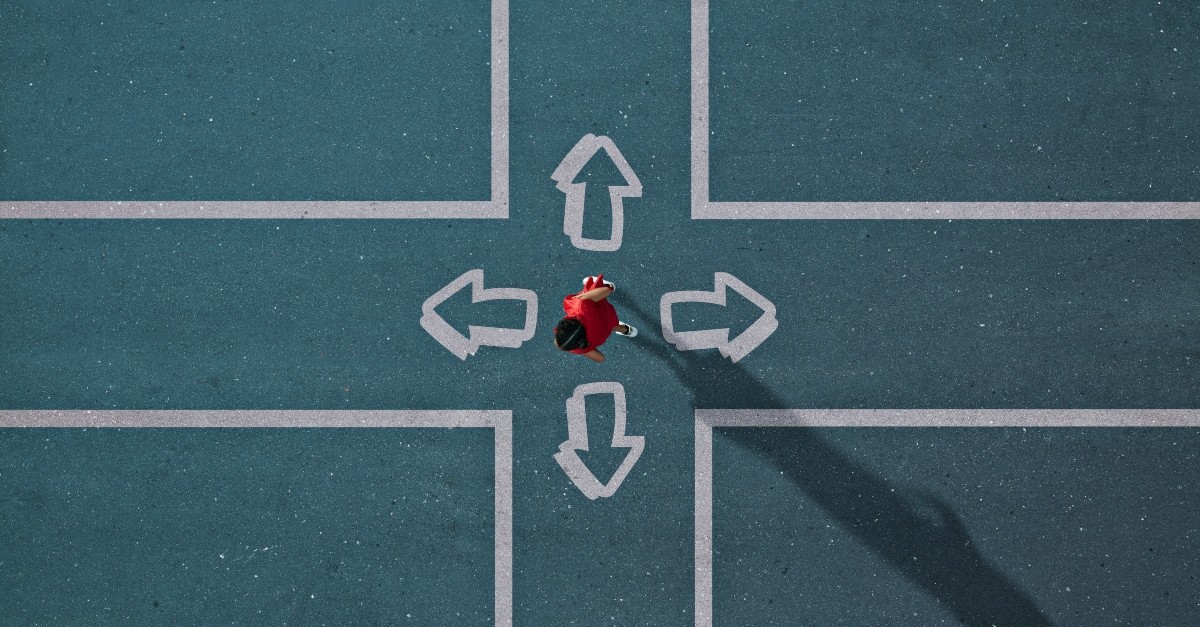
1006,526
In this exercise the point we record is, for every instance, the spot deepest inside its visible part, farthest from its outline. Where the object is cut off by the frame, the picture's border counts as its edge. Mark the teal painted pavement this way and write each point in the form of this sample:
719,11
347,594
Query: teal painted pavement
812,526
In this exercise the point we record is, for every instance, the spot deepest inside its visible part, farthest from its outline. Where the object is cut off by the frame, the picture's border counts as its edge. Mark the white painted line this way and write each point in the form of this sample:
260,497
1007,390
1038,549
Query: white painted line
503,427
946,210
700,124
705,209
734,349
577,440
703,529
461,346
264,209
496,208
949,417
499,202
576,193
251,418
500,421
707,419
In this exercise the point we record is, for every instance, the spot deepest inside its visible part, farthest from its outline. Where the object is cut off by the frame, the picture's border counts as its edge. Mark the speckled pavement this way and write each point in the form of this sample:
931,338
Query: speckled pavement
291,186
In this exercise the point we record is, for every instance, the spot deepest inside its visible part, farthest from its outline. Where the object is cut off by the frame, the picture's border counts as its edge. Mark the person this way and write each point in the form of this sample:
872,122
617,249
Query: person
590,320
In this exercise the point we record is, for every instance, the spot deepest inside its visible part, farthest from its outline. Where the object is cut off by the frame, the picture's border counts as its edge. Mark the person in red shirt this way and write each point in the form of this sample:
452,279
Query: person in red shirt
590,320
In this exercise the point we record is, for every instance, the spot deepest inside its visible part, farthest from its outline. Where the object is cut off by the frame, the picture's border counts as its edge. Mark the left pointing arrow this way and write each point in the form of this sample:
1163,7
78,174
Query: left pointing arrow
477,336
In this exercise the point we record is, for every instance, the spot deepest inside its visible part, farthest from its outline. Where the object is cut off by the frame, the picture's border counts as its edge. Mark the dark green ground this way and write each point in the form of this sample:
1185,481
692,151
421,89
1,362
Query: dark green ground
302,314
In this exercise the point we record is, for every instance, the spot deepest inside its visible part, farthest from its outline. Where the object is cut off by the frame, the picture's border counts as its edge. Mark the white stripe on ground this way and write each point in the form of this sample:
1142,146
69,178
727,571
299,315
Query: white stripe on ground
704,530
267,209
949,417
499,421
504,522
706,419
945,210
499,203
247,418
699,107
704,209
496,208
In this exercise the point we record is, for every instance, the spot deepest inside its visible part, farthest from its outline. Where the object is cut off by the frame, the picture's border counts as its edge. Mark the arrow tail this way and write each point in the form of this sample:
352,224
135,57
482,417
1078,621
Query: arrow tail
691,340
698,340
576,197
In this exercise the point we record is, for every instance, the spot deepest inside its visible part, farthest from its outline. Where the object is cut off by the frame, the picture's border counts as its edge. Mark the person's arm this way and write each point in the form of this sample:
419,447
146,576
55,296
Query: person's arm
594,355
595,294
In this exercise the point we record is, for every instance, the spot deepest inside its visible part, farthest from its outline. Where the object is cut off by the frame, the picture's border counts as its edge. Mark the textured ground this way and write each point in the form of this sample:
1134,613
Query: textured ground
995,101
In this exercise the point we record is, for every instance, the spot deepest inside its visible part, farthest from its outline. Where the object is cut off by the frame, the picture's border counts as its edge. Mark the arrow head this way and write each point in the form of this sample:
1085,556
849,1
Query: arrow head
576,469
758,332
568,171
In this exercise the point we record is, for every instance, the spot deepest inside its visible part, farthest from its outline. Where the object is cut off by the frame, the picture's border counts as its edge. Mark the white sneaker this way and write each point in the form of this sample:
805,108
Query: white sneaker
632,330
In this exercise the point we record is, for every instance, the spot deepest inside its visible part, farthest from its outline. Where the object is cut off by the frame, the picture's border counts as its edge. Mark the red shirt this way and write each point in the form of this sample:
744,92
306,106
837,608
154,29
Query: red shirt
598,320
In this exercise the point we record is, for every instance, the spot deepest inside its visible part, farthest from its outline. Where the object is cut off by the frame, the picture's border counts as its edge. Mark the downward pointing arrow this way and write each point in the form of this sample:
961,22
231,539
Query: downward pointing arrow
719,338
565,175
577,440
478,336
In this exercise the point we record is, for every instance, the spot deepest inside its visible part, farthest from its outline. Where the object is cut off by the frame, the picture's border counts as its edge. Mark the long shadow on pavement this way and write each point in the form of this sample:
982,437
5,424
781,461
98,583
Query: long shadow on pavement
916,532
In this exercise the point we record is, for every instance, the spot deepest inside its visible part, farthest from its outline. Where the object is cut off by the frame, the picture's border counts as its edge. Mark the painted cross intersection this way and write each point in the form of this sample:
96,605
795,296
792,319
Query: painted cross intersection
273,350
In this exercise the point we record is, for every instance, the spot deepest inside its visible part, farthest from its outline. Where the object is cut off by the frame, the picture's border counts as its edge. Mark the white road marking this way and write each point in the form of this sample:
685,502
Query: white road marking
565,175
496,207
703,208
461,346
707,419
946,210
734,349
500,421
577,440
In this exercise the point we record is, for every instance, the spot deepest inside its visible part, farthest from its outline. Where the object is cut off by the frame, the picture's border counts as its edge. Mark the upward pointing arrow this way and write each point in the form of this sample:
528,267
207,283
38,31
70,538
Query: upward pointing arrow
565,175
734,349
577,440
462,346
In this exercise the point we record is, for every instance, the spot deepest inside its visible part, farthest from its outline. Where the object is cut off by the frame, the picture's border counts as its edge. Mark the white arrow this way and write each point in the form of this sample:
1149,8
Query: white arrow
577,440
565,175
479,336
719,338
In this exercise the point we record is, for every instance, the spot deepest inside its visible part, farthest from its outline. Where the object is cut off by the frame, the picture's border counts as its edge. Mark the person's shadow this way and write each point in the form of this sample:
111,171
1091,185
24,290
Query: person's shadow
914,531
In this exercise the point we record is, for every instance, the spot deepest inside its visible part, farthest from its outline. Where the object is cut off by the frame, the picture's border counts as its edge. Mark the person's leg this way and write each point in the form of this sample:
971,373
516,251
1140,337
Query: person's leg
592,282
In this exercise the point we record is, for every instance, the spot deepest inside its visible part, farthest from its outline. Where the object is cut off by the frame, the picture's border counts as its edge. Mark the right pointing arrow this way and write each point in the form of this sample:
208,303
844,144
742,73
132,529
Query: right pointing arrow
462,346
577,440
734,349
